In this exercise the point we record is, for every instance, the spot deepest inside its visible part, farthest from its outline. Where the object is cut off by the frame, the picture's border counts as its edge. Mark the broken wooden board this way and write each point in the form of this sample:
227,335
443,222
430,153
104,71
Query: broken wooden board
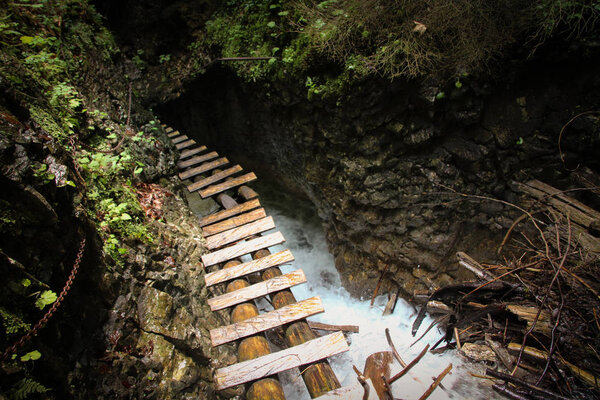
214,178
185,145
240,249
270,364
257,290
197,160
264,322
231,183
179,139
203,168
239,233
250,267
377,367
221,215
351,392
191,152
234,222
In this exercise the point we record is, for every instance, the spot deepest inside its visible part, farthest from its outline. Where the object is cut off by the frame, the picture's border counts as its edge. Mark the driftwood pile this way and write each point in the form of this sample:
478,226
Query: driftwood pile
533,318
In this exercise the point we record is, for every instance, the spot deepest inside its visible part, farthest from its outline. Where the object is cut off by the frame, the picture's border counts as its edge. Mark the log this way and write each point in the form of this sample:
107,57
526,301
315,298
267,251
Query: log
185,145
234,222
240,249
528,314
311,351
248,268
351,392
469,263
377,367
333,328
197,160
391,304
247,193
214,178
191,152
203,168
179,139
226,201
229,184
235,210
240,233
257,290
264,322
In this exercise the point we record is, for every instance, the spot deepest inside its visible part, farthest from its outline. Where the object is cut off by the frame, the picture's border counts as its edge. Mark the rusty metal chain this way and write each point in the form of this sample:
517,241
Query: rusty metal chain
33,331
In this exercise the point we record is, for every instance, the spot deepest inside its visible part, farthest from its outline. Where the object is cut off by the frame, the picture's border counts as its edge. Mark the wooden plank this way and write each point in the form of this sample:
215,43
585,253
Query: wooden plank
197,160
214,178
250,267
191,152
185,145
234,222
239,233
221,215
351,392
179,139
257,290
203,168
221,187
311,351
240,249
264,322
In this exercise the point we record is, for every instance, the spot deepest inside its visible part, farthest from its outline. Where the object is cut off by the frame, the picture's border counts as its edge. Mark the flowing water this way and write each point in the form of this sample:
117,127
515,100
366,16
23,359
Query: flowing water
297,220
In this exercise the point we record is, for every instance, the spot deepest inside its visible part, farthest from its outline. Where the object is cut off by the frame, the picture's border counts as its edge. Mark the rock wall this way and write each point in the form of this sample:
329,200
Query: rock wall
382,160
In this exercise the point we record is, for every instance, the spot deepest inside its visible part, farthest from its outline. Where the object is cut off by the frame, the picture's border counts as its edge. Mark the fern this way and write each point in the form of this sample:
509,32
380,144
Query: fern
12,323
26,387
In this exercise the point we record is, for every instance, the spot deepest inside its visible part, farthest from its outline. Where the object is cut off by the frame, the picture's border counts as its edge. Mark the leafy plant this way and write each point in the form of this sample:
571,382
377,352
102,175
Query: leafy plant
26,387
47,297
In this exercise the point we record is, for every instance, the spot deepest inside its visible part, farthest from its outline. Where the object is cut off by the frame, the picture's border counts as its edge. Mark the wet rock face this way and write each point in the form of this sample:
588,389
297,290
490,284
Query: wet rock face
381,162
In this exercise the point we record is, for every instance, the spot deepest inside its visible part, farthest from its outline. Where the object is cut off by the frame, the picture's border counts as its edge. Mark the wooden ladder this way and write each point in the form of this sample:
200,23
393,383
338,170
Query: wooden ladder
238,230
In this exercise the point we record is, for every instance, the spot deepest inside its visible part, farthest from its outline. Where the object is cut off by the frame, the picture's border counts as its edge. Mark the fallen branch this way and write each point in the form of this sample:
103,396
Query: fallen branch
409,366
517,381
379,284
394,351
436,383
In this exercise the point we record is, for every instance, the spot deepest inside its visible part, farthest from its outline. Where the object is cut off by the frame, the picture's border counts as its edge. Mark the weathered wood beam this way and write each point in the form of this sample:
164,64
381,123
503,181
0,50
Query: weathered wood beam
185,145
203,168
197,160
264,322
234,222
311,351
214,178
179,139
247,268
239,233
240,249
229,184
257,290
221,215
191,152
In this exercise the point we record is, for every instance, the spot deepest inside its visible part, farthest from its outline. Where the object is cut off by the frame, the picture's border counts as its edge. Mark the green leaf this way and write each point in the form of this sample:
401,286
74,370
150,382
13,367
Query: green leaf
138,170
31,356
26,39
47,297
271,24
458,84
125,217
440,95
520,141
283,13
26,282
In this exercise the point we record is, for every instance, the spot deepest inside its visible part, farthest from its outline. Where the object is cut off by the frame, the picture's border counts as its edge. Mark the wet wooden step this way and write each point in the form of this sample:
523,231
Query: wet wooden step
240,249
250,267
214,178
221,215
203,168
185,145
179,139
264,322
351,392
234,222
221,187
191,152
239,233
257,290
270,364
197,160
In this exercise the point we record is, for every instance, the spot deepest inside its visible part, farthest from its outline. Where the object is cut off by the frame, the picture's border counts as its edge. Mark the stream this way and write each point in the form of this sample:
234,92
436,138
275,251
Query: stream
297,220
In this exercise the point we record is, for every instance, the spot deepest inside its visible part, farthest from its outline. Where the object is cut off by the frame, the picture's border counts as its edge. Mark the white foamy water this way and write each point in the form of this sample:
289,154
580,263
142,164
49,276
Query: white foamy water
304,235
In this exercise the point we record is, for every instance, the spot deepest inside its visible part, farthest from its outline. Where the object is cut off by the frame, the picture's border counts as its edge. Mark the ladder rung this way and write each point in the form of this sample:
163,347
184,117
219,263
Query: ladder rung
264,322
240,249
185,145
203,168
191,152
179,139
221,215
221,187
270,364
247,268
239,233
197,160
214,178
234,222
